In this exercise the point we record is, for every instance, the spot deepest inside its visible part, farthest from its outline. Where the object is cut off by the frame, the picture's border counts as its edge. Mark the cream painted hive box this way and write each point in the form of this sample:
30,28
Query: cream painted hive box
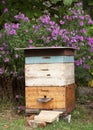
49,79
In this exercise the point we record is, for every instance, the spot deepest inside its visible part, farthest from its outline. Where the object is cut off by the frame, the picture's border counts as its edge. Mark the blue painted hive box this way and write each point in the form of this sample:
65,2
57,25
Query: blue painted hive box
49,79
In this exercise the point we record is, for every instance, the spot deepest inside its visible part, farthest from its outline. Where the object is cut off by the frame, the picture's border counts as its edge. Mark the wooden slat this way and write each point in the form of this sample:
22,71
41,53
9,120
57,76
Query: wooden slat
49,59
70,98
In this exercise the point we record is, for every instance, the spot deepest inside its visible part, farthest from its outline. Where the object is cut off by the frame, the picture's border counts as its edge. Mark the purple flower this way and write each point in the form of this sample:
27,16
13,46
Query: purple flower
78,4
81,17
20,107
1,71
30,41
89,57
75,17
1,48
26,30
3,2
48,40
45,19
86,66
16,56
79,62
73,40
90,41
62,22
6,60
26,19
15,26
5,10
82,11
36,28
52,23
30,46
83,30
79,11
21,17
81,38
16,17
17,96
78,48
90,21
74,46
55,32
81,23
49,29
87,17
7,26
12,32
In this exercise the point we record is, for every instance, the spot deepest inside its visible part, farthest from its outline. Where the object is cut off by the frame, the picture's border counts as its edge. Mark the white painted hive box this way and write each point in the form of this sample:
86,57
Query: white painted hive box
49,67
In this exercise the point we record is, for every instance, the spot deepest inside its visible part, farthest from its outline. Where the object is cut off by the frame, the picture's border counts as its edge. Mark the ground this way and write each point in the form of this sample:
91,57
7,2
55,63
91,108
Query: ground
82,119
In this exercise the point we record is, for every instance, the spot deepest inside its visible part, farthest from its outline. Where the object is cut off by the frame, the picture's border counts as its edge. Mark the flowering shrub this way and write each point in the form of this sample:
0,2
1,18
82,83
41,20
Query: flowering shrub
19,104
70,31
14,35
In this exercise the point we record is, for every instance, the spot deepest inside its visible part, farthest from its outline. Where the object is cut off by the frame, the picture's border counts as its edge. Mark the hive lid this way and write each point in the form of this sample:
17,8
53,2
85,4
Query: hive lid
47,51
35,48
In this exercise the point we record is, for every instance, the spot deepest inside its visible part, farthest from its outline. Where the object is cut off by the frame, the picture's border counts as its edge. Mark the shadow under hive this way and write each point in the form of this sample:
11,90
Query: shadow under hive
49,79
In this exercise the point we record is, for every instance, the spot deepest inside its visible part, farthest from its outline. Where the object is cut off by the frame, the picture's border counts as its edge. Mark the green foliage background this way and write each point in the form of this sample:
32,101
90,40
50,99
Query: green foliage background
36,8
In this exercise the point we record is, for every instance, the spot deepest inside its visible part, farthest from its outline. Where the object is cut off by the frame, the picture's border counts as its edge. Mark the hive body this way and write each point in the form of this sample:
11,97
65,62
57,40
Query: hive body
49,79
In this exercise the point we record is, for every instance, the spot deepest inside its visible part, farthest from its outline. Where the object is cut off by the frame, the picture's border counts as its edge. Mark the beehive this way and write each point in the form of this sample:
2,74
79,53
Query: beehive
49,79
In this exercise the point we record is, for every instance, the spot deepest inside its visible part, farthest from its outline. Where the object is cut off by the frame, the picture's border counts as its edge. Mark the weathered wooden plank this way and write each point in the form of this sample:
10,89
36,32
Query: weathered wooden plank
63,97
47,116
48,82
70,98
48,59
48,51
49,74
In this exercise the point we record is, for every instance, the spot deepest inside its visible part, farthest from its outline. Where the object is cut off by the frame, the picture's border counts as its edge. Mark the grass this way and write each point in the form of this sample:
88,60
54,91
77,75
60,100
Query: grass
82,119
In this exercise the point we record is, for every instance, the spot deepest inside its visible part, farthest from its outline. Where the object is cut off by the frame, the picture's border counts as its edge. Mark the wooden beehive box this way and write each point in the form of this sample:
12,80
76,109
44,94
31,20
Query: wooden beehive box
49,79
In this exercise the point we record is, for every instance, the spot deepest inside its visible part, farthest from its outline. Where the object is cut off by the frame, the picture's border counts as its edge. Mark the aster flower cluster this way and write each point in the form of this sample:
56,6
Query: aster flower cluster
11,28
6,58
21,16
70,31
14,36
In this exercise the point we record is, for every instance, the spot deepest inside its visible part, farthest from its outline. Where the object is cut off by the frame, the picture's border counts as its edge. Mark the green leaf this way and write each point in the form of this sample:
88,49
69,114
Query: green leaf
55,1
90,3
75,0
67,2
61,10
